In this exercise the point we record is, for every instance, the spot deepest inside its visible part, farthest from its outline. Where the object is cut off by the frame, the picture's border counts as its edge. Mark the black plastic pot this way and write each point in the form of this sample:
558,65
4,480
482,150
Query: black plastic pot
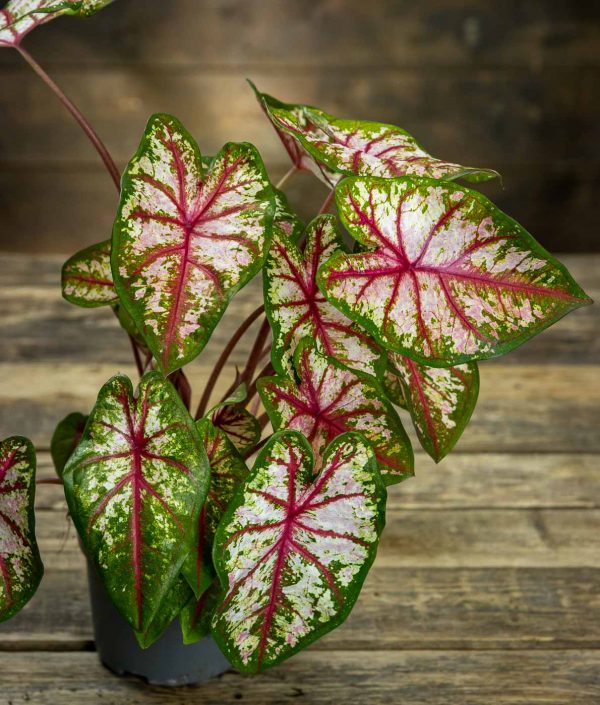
167,662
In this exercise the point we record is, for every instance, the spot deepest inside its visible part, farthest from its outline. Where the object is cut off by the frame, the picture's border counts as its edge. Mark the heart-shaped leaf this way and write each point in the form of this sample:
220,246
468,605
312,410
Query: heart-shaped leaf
357,146
299,156
21,568
19,17
87,278
65,439
440,401
296,308
292,551
330,400
228,472
450,278
242,427
184,242
135,486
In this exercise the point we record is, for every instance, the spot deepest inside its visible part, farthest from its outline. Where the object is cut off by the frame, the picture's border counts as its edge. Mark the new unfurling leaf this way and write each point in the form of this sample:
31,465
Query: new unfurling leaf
296,308
135,486
185,241
292,550
447,277
329,400
21,568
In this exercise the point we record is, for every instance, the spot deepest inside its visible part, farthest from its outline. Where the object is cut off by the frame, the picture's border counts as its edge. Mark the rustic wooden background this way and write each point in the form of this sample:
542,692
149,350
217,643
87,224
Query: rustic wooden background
511,85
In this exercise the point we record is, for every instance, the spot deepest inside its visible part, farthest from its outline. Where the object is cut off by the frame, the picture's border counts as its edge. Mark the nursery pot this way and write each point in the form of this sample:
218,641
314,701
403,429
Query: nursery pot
167,662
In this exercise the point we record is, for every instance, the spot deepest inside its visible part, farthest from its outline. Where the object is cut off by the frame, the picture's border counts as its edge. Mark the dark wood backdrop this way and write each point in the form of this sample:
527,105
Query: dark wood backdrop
511,85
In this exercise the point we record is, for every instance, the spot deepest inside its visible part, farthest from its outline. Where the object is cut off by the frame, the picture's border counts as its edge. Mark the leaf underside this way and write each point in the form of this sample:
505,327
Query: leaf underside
329,400
447,277
185,241
292,551
440,401
65,439
87,278
21,567
296,308
135,486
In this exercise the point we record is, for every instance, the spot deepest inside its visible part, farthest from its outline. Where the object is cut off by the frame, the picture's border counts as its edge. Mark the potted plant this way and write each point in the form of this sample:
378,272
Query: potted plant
223,526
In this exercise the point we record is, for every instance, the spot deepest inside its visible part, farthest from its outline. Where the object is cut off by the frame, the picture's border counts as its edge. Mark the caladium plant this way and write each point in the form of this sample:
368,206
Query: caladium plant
382,312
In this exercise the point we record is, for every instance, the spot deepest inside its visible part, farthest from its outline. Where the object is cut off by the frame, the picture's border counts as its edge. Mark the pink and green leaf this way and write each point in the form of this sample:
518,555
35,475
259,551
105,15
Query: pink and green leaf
19,17
175,601
285,221
197,614
440,401
329,400
65,439
292,550
135,486
448,277
21,567
185,241
87,278
296,307
241,426
357,147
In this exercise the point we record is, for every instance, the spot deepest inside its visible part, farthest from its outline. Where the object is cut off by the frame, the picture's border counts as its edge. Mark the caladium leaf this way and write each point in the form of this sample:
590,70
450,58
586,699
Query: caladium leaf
178,596
242,427
392,386
19,17
292,551
285,221
228,472
184,242
330,400
65,439
357,146
296,308
87,278
21,568
299,156
135,486
450,279
440,401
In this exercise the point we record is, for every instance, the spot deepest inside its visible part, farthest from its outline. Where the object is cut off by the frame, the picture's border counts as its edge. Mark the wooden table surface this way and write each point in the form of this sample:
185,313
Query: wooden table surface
486,589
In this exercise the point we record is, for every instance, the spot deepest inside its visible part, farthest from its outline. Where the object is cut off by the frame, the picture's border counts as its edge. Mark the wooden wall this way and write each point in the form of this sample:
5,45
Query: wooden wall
511,84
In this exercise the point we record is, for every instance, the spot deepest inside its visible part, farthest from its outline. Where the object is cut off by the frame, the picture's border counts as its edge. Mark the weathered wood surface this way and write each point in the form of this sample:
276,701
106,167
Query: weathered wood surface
486,588
512,86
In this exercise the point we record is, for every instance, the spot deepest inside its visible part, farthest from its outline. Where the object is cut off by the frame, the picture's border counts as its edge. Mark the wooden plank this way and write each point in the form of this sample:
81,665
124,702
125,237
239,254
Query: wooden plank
521,408
463,481
325,34
362,677
408,608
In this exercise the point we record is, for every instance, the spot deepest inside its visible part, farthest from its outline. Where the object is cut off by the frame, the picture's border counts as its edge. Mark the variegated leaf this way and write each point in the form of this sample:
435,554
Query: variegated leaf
440,401
87,278
19,17
357,146
21,567
329,400
450,278
292,551
239,424
228,472
135,486
185,242
296,308
65,439
285,221
299,156
392,386
175,601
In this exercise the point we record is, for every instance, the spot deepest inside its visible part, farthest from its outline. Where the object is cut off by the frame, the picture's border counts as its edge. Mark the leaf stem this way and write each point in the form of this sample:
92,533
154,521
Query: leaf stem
326,202
49,481
288,174
136,355
224,356
76,113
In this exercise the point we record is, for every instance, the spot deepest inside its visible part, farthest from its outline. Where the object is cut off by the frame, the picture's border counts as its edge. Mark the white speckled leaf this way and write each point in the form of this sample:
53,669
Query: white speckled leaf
440,401
21,568
296,308
357,146
449,278
19,17
87,278
292,550
135,486
186,241
329,400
